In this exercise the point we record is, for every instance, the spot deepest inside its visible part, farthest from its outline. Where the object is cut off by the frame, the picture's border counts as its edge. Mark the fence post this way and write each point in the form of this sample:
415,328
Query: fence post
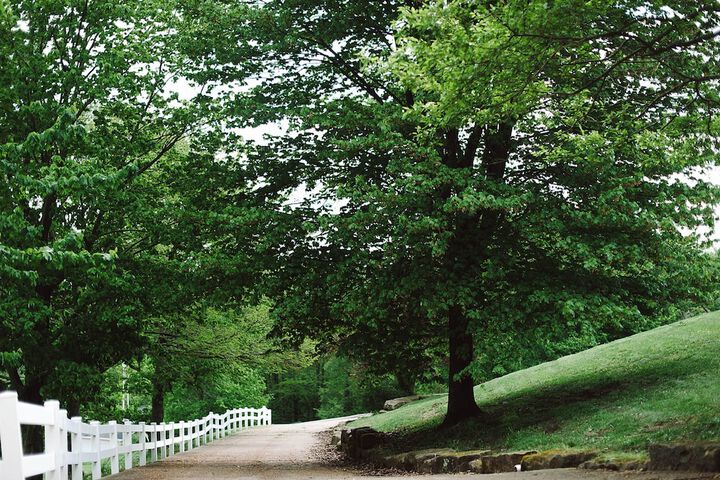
163,435
210,423
64,420
76,445
191,431
11,437
181,448
172,439
95,442
52,440
143,450
115,457
199,430
127,445
154,438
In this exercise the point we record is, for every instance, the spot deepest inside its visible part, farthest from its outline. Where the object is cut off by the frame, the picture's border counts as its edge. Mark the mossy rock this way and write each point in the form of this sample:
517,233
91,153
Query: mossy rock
499,463
556,459
461,460
615,465
694,457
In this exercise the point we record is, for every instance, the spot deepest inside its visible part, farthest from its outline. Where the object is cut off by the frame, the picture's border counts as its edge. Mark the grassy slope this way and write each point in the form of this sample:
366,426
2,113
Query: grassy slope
656,386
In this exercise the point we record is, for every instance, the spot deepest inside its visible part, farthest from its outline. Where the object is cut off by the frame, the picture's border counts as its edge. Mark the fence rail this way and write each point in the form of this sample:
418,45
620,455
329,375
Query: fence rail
70,443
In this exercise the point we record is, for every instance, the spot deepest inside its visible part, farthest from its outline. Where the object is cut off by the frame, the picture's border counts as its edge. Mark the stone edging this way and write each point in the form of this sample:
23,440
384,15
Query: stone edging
366,444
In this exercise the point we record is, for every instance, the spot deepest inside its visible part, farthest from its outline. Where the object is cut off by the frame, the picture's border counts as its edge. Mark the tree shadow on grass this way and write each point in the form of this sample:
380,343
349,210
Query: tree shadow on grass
550,407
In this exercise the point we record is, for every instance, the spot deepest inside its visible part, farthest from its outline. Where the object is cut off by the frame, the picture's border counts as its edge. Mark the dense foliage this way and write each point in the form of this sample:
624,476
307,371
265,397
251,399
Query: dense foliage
332,387
504,174
83,116
451,186
117,195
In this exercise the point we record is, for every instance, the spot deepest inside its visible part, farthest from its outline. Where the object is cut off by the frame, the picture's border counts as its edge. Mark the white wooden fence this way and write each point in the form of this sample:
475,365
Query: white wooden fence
70,443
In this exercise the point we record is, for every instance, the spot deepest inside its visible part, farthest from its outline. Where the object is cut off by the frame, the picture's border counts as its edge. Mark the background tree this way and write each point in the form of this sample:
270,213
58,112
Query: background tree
84,117
513,170
214,361
605,178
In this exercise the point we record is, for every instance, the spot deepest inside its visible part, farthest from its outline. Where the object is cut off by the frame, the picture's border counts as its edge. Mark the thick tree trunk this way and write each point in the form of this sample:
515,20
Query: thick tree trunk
461,398
158,401
73,407
472,233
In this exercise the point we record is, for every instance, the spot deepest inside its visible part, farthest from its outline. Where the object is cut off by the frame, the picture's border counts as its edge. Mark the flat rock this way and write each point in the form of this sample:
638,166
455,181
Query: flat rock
556,459
461,460
395,403
356,441
499,463
424,461
443,460
615,466
694,457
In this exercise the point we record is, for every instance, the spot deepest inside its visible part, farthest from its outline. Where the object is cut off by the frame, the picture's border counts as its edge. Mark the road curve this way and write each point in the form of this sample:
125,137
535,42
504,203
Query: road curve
281,452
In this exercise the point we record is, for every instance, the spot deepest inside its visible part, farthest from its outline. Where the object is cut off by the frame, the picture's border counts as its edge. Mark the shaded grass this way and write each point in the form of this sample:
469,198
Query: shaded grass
656,386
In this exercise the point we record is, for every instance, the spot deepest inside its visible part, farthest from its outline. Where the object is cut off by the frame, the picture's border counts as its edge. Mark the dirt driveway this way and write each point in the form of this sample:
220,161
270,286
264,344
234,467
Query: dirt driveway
289,452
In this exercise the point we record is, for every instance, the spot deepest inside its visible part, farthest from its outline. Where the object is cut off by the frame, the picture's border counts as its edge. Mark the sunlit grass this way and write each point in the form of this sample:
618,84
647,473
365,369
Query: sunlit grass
660,385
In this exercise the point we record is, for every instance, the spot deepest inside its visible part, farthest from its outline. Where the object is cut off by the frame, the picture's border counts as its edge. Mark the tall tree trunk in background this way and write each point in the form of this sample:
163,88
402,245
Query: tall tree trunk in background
459,258
158,400
461,398
472,235
73,407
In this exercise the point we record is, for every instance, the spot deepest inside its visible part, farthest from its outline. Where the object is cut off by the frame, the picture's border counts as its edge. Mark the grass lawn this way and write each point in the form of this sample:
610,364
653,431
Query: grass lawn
656,386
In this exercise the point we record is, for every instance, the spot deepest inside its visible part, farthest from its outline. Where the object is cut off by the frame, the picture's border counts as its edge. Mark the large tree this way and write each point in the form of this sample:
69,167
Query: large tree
90,132
490,167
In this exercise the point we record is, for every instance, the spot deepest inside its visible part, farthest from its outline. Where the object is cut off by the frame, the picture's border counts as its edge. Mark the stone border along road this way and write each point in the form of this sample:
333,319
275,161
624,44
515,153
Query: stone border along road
280,452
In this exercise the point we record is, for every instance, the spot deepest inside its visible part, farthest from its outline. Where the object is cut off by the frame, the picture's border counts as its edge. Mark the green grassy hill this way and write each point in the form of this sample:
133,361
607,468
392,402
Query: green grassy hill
660,385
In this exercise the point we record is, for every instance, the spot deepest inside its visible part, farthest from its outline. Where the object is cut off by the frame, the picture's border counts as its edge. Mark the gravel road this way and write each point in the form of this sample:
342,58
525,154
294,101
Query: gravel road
291,452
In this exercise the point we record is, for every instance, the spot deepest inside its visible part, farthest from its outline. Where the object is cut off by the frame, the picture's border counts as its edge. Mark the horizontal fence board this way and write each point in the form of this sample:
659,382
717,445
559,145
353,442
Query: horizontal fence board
107,453
38,463
106,429
86,429
30,414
